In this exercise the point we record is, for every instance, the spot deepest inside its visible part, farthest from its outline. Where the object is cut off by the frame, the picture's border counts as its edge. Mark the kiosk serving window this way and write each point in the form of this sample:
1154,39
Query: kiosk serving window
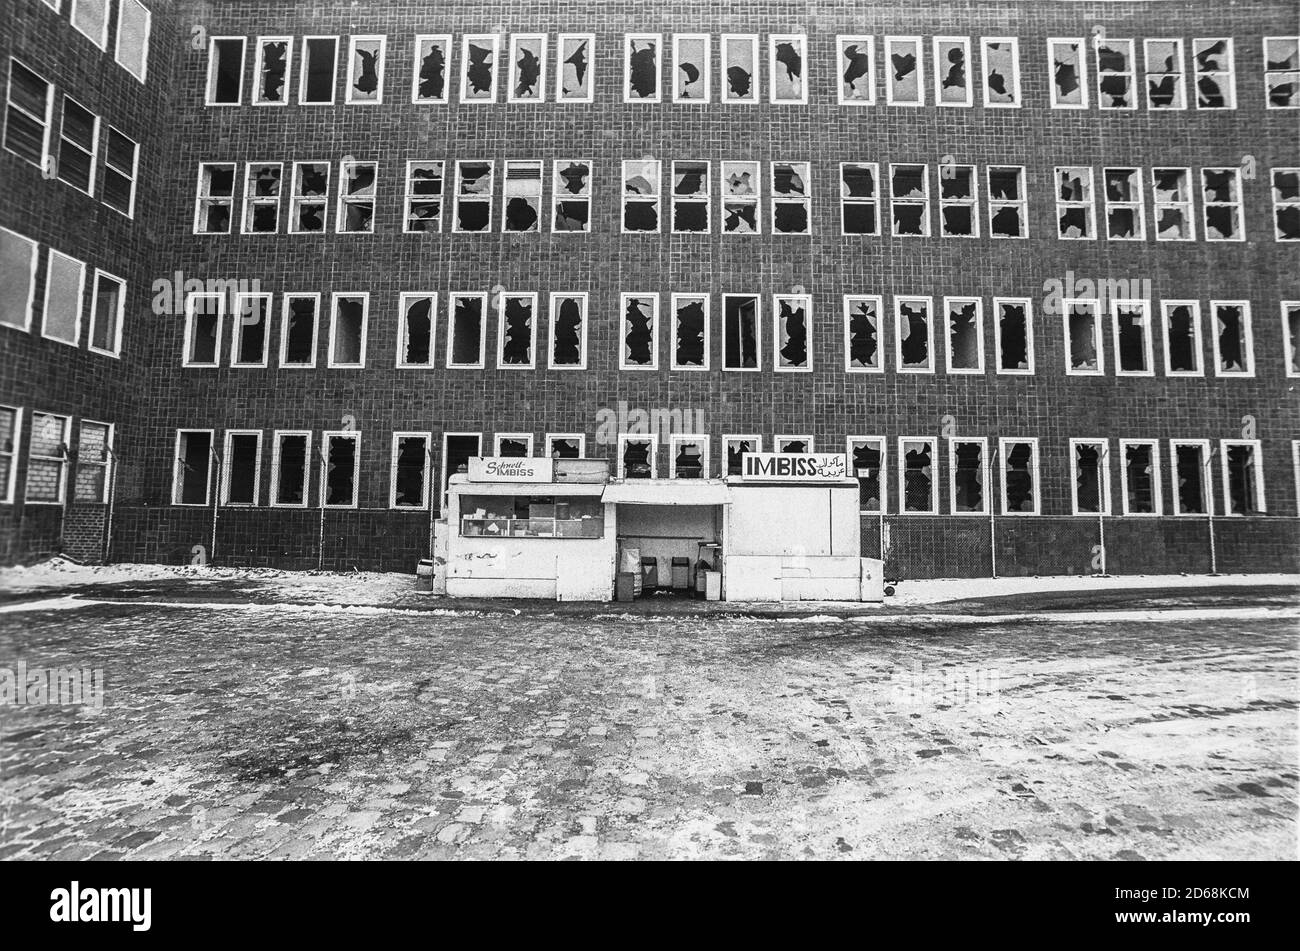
532,516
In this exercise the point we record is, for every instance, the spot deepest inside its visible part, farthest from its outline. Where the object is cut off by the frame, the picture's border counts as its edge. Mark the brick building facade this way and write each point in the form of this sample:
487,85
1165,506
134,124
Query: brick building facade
1076,248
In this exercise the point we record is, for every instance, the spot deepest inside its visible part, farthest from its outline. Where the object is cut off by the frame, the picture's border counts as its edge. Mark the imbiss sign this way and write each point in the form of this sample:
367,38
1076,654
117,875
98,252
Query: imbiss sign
511,469
793,467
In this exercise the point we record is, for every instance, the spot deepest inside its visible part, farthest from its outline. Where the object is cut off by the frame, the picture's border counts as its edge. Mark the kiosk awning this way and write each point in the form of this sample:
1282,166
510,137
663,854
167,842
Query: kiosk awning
667,492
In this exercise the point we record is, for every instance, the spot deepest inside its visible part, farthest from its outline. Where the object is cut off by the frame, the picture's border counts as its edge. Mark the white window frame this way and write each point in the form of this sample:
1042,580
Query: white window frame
34,264
983,443
134,177
878,301
1290,344
772,40
965,44
259,60
296,201
326,436
552,310
1138,204
525,438
482,39
755,199
1003,443
919,43
779,440
284,330
236,322
674,300
1239,205
1103,477
349,97
706,74
560,58
1188,207
251,200
102,40
1257,447
868,43
847,200
143,75
1207,478
342,199
410,196
758,334
426,474
979,335
706,202
1181,72
756,85
404,301
226,445
177,476
1098,334
1248,338
883,444
118,319
551,438
1098,40
676,439
1228,76
63,461
200,196
899,300
1197,336
652,439
445,39
511,67
81,298
273,491
303,71
628,40
972,201
211,89
1016,98
804,171
1090,204
925,201
901,463
558,194
46,122
1268,73
94,146
727,440
642,199
190,313
9,488
996,319
484,317
365,328
655,330
1279,204
807,301
1116,305
1081,45
532,297
995,204
1157,478
445,482
509,165
477,198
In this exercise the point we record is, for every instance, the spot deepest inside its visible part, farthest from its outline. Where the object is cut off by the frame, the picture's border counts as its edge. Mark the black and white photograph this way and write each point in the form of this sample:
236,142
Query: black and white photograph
639,431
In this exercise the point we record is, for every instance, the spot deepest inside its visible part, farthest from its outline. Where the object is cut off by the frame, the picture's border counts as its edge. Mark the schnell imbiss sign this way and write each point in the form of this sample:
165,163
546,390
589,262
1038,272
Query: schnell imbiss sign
511,469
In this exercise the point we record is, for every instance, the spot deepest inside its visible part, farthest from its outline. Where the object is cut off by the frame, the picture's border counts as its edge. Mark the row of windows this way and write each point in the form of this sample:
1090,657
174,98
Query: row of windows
1172,71
29,133
64,306
134,23
50,456
968,462
735,199
958,321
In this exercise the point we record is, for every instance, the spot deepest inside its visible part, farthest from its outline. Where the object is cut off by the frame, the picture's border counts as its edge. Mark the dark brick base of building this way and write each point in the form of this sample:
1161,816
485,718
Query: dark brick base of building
34,532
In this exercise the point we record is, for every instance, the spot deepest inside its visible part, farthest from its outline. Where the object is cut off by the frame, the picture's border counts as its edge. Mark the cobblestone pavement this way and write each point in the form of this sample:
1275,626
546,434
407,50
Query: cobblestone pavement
365,733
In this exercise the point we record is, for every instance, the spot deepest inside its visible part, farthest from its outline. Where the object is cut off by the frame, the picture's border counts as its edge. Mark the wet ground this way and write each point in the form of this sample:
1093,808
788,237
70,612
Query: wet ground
235,732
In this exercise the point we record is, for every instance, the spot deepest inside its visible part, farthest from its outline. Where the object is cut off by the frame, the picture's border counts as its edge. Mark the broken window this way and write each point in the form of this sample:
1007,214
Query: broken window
691,70
862,343
1001,61
271,70
1008,206
65,287
514,445
18,259
787,68
262,197
1286,204
859,198
1115,70
857,70
473,197
1140,476
1282,72
637,457
913,335
457,450
134,23
904,85
1069,86
251,330
517,330
290,464
968,476
917,486
741,346
466,336
1132,329
478,58
566,446
225,71
1019,461
423,196
734,449
690,332
340,471
415,330
94,456
1164,74
641,195
573,65
241,467
791,332
1172,199
298,341
1234,350
120,161
432,54
742,185
526,81
365,70
640,335
958,201
1212,63
1013,334
78,145
348,330
1075,210
1090,476
952,65
410,471
791,189
356,211
192,475
309,197
30,103
909,200
569,331
867,463
1083,338
108,304
965,320
1191,460
521,197
740,68
320,55
11,421
688,457
690,197
216,198
1291,338
1182,337
641,67
571,196
793,444
1221,204
1123,195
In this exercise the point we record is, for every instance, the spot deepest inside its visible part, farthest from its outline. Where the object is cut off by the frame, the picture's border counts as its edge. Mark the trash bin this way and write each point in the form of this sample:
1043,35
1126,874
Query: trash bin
681,574
424,576
649,573
701,567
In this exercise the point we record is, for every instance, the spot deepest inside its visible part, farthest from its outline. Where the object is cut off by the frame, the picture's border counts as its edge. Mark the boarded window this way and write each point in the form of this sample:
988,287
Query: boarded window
348,330
1015,339
917,475
690,332
740,68
1190,472
857,70
641,54
251,330
473,196
573,67
640,334
242,464
969,471
342,463
909,200
193,467
290,466
1233,346
791,331
791,190
299,345
226,71
1141,478
410,470
1069,73
65,285
517,330
319,61
1182,321
423,196
571,196
912,323
904,84
569,330
965,321
432,54
465,338
271,72
1090,463
521,197
18,256
867,463
740,332
1019,476
415,333
742,187
478,79
859,198
862,334
641,195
